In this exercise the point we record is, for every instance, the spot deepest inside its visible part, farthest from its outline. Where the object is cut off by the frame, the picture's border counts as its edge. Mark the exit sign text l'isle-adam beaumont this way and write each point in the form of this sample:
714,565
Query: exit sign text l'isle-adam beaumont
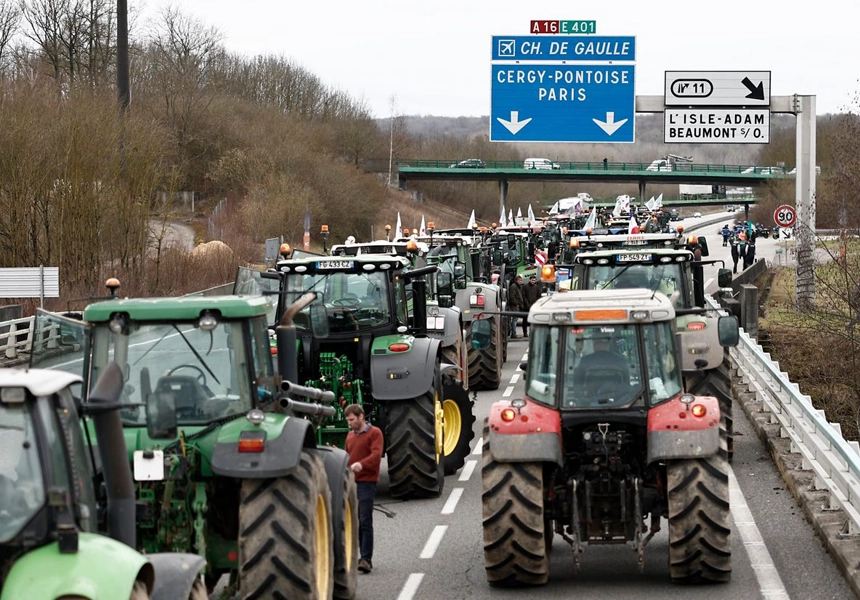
715,126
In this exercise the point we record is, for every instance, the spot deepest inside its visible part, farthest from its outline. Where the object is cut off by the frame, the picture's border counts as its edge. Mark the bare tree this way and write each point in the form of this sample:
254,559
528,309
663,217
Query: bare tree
10,16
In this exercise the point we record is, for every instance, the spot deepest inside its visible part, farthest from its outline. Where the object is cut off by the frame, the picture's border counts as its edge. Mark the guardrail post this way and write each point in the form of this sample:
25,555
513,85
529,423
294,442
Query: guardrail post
11,350
749,309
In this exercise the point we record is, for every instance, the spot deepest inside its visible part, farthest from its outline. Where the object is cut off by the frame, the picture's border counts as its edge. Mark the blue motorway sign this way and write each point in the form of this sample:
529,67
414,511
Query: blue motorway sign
562,103
564,47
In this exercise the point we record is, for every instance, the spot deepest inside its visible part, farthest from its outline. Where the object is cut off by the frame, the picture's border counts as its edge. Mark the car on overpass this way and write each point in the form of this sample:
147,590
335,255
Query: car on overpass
541,164
469,163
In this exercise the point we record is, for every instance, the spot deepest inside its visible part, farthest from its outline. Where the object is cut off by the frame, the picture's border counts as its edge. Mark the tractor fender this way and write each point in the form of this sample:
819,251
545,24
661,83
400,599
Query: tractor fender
534,435
336,461
447,336
46,573
406,374
175,574
492,299
699,344
671,435
285,438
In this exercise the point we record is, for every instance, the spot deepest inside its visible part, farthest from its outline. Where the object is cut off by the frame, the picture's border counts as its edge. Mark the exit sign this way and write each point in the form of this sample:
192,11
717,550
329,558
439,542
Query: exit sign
569,27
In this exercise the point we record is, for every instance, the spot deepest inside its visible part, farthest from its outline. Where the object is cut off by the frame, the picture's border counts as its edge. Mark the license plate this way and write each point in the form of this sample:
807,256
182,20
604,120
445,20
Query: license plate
336,264
633,257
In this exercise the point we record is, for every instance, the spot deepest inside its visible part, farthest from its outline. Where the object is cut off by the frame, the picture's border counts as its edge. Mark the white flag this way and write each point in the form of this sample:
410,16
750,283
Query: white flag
651,204
398,230
519,213
591,221
659,201
502,218
531,215
511,217
423,228
471,224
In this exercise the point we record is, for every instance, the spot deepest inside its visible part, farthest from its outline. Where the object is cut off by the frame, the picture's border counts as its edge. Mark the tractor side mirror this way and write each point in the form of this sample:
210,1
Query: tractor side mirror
445,289
481,334
161,422
703,244
319,320
724,278
728,330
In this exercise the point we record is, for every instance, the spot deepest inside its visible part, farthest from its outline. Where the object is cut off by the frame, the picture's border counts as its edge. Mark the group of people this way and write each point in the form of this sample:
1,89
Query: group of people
742,242
520,299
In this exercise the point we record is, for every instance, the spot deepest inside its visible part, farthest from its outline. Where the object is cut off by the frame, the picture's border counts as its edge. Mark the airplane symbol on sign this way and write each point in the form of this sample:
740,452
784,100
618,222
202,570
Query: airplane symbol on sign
507,48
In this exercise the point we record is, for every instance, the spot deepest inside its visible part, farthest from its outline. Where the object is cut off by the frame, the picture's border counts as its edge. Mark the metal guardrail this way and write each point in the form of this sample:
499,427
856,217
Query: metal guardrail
753,171
16,337
834,461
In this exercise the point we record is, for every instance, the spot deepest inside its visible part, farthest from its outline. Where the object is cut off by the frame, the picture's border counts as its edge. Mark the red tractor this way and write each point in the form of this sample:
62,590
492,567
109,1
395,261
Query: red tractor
604,439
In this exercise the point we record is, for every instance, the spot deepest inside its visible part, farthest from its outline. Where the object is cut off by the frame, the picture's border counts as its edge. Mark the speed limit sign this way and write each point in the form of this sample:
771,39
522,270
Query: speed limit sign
785,216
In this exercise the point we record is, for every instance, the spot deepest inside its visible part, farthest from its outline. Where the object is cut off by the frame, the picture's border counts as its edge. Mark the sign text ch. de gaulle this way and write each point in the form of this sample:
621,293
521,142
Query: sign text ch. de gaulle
563,27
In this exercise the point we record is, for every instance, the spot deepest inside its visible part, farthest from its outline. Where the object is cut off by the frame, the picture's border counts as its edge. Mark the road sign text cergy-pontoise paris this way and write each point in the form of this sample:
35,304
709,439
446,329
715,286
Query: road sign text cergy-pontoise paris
716,125
718,88
562,102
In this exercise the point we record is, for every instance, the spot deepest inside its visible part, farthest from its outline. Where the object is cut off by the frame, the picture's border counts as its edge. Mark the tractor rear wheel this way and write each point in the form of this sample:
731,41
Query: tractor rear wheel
700,548
485,370
415,440
515,544
718,383
459,421
285,535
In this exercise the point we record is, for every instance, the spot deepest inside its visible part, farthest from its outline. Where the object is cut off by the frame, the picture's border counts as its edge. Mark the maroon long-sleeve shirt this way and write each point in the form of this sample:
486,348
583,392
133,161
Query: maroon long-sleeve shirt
365,447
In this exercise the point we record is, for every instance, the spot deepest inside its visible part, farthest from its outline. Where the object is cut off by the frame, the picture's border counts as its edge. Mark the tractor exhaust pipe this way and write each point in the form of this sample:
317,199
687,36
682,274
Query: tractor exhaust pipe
288,363
104,411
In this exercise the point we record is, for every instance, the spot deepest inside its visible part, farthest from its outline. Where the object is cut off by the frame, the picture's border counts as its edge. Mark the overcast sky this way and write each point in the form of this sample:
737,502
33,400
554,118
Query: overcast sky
433,56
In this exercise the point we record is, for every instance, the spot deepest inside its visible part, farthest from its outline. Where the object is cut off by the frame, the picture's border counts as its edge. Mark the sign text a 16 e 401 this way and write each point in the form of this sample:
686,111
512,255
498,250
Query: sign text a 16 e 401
563,27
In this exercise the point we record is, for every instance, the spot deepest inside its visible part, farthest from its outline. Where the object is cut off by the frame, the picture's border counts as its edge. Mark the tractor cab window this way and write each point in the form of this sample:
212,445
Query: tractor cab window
665,278
542,373
206,372
22,488
602,366
353,301
664,378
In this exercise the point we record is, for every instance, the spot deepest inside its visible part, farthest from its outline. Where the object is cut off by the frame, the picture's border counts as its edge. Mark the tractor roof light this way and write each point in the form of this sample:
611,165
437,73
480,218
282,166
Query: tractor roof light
600,314
112,284
639,315
208,321
286,250
574,242
547,273
324,229
412,246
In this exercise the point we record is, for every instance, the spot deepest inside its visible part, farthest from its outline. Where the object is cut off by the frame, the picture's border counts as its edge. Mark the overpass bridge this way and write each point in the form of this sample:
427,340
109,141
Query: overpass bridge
640,173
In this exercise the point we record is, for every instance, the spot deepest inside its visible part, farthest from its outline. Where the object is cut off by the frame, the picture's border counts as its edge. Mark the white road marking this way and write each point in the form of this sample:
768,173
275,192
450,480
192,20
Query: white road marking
411,586
508,391
525,357
515,377
769,581
433,542
709,282
451,502
478,445
468,468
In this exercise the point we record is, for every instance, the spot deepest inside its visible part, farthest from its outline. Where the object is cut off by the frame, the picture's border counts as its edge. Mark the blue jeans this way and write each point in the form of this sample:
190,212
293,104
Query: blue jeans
513,329
366,496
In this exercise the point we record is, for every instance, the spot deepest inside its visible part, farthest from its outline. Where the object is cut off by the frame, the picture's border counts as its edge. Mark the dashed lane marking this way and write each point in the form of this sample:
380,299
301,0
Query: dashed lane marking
411,586
466,473
433,542
515,377
478,445
451,502
508,391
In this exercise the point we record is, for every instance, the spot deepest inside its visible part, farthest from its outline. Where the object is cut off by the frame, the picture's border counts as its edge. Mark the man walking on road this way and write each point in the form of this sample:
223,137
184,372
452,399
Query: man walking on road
531,294
516,303
364,446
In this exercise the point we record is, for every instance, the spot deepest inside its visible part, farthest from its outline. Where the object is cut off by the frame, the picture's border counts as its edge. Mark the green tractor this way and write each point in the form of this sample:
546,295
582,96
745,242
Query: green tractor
671,264
366,339
225,464
61,519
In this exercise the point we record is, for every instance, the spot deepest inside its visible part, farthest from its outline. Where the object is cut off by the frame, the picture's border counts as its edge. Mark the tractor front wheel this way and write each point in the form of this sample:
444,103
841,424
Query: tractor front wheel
415,444
285,535
459,423
515,540
700,548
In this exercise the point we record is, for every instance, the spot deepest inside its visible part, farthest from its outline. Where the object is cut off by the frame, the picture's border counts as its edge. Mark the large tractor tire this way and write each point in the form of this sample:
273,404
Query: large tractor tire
415,440
700,548
285,535
515,545
346,550
485,371
459,424
718,383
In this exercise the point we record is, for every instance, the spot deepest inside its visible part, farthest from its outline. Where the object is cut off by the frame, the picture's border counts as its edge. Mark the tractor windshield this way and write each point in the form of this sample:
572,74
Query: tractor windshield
211,373
353,301
665,278
22,489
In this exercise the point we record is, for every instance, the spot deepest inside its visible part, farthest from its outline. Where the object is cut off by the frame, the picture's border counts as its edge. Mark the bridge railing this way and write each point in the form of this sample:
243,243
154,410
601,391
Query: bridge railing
599,166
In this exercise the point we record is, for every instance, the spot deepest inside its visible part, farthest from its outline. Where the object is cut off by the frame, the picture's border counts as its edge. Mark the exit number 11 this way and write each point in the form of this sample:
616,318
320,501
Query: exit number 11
563,27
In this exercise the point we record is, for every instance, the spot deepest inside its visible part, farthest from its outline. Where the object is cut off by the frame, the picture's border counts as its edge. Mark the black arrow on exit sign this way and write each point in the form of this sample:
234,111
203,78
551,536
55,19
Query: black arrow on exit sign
756,91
